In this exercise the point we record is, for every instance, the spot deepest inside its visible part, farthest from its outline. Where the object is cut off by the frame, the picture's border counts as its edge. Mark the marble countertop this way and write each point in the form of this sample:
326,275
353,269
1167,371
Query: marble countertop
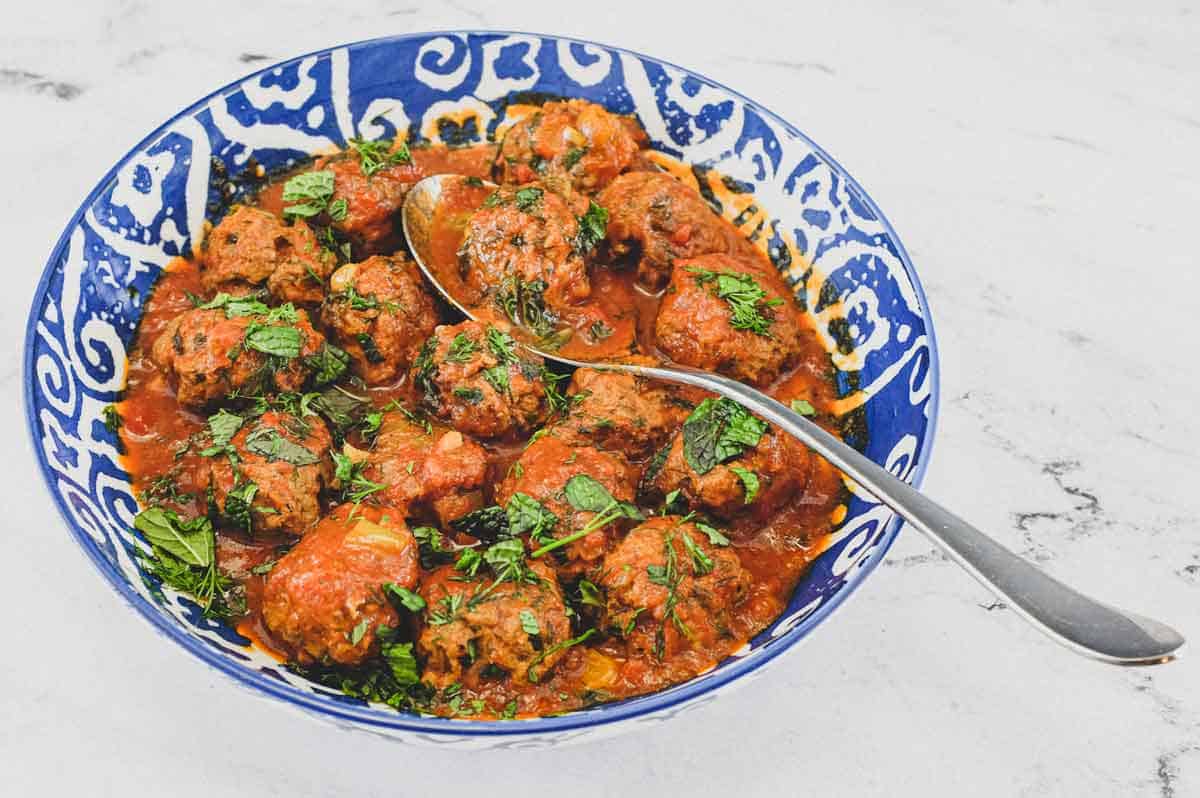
1040,162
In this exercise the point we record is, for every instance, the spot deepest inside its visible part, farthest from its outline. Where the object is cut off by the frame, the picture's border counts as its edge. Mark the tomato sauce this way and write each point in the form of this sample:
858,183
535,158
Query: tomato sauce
166,469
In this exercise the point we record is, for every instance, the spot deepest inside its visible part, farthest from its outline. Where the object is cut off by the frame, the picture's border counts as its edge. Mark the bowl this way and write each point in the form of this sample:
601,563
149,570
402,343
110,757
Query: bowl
833,245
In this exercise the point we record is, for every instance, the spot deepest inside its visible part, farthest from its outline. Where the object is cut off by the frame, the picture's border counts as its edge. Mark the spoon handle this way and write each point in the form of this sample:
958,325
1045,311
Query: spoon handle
1067,616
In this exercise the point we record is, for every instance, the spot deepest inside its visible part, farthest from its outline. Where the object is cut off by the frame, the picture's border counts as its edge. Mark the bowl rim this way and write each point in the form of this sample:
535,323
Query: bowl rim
382,720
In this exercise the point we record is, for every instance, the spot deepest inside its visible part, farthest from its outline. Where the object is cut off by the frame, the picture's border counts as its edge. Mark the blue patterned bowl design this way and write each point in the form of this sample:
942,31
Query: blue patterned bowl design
834,246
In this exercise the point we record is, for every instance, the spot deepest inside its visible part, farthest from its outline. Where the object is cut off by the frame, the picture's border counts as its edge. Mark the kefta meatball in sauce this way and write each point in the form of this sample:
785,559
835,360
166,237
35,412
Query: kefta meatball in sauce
416,510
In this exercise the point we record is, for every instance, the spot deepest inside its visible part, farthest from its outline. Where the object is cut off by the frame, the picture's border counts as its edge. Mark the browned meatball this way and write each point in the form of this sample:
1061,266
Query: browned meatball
251,247
427,467
754,482
324,598
621,412
478,629
274,482
474,377
575,139
520,250
669,589
542,473
380,313
654,219
207,355
373,201
729,315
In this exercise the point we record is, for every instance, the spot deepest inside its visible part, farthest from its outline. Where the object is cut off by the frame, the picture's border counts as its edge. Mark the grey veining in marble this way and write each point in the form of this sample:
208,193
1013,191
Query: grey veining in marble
1040,162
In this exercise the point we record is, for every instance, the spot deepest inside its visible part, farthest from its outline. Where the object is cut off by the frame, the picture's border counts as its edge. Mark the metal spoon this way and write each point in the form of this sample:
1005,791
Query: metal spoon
1082,624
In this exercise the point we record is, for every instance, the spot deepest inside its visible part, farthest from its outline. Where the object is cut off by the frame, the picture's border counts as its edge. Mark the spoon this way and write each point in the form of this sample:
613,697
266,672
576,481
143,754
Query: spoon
1082,624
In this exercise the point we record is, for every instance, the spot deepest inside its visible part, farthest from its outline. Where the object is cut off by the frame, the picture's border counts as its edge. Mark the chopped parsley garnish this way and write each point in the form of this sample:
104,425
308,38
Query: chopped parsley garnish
338,210
749,481
719,430
403,597
376,155
590,595
715,535
497,377
471,396
529,623
701,562
502,345
573,156
183,557
532,673
238,505
586,494
355,487
112,418
311,191
803,407
598,331
462,348
359,631
593,226
528,198
749,307
524,304
267,442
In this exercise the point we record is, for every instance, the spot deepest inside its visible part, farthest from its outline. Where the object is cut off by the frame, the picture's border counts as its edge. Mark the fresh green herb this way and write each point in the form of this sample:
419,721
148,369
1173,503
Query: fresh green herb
669,576
749,307
532,673
527,515
701,562
342,409
803,407
338,209
593,226
669,502
359,631
462,348
278,341
355,487
599,331
376,155
524,304
497,377
719,430
447,609
183,557
488,523
586,494
529,623
510,710
590,595
239,503
715,536
528,198
370,350
222,426
312,192
471,396
502,345
573,156
403,597
424,370
264,568
749,482
267,442
112,418
473,181
327,365
493,200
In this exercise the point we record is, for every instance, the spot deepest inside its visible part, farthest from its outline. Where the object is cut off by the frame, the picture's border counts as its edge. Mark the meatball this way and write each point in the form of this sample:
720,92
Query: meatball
427,467
729,315
251,247
575,140
466,639
654,218
324,599
621,412
473,376
375,195
542,473
208,355
669,589
380,313
274,482
520,250
754,482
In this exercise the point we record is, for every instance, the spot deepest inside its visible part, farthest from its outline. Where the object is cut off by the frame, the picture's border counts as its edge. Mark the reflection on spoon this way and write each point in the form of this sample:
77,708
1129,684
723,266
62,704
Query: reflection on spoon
435,215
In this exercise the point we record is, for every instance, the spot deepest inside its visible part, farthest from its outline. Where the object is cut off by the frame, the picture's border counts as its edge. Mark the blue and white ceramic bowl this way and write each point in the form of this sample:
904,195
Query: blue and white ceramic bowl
846,263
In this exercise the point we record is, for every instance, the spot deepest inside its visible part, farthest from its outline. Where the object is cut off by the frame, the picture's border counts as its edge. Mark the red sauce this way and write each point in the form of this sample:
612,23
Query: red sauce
156,429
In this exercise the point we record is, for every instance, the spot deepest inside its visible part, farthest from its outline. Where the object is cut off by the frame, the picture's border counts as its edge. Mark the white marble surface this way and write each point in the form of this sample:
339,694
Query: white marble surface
1040,162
